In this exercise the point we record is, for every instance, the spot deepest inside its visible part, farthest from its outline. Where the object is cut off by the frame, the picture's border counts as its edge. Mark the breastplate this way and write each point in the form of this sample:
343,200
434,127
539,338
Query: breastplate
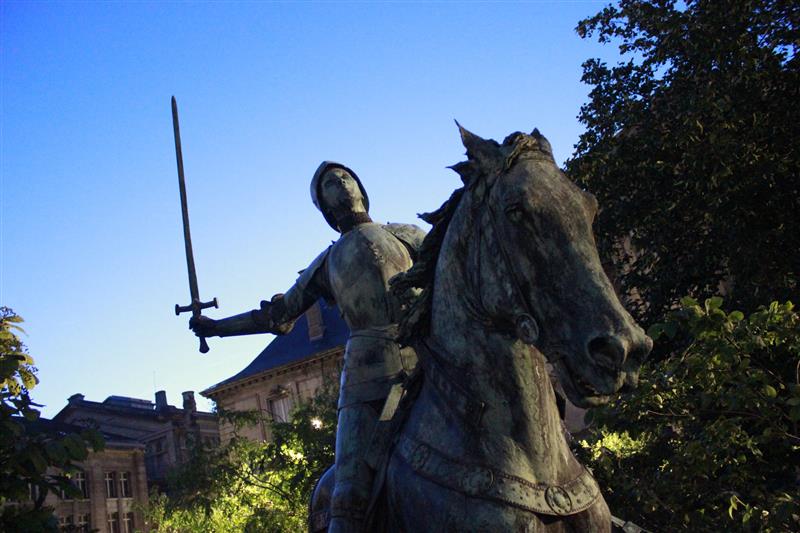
360,265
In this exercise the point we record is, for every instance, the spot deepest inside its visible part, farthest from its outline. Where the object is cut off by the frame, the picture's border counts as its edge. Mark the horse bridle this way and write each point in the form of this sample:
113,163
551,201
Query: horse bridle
526,327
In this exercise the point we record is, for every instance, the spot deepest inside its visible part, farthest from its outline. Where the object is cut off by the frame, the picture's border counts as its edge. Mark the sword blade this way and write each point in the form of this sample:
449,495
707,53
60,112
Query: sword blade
187,234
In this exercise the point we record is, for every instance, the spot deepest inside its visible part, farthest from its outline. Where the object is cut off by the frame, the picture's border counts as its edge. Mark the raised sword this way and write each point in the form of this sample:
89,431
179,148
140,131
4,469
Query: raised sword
197,306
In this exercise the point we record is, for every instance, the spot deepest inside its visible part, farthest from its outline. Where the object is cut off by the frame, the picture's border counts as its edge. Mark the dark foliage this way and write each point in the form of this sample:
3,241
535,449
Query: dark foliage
692,147
35,459
710,441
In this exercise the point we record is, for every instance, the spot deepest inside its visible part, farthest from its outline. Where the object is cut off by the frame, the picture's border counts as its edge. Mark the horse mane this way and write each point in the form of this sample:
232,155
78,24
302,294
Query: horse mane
414,288
416,318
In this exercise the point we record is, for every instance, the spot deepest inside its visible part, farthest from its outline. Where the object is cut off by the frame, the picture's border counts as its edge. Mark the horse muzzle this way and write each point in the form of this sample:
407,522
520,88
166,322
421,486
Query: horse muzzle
608,365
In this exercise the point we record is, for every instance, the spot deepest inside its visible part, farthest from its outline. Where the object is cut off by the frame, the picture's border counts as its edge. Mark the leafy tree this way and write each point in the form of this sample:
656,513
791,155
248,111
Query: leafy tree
691,147
252,486
710,441
34,460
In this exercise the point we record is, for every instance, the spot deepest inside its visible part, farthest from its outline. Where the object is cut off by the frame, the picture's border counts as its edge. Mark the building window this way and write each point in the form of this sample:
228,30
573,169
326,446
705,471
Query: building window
65,523
34,492
125,484
316,326
81,484
111,484
113,523
127,523
279,408
84,522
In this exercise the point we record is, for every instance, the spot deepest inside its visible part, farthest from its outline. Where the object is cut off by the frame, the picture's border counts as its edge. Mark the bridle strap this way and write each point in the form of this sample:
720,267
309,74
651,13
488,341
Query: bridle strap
524,321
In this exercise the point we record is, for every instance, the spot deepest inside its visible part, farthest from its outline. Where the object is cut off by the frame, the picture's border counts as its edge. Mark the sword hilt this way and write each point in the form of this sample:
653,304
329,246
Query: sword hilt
196,307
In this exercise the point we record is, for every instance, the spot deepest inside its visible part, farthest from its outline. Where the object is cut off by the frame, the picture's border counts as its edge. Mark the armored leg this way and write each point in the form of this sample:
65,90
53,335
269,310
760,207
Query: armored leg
353,477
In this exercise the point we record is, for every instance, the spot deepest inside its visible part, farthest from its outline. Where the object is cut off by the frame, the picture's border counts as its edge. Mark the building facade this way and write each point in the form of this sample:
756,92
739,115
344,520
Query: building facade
112,485
165,432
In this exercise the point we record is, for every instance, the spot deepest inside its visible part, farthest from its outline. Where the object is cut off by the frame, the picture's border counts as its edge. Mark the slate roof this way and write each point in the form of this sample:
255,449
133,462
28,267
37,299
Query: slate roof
61,429
121,405
295,346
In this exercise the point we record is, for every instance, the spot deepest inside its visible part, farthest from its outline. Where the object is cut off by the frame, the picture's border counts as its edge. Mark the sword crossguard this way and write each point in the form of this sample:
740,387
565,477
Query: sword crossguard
197,304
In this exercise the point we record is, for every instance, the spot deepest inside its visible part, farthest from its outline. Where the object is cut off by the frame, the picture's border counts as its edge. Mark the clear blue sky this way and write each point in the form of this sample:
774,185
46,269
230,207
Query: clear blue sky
92,251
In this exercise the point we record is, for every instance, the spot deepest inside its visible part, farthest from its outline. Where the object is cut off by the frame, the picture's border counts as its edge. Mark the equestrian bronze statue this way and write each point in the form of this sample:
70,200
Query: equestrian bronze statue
507,279
354,272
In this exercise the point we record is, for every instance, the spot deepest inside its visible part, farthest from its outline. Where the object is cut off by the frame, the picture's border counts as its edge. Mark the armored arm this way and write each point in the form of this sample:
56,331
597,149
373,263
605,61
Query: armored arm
248,323
275,316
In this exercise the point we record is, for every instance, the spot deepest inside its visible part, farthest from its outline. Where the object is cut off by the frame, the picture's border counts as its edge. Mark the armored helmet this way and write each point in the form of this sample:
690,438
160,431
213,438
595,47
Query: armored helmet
316,195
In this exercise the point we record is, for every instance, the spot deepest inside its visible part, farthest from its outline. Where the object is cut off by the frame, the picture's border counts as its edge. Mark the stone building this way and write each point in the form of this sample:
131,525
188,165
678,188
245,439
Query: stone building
112,483
163,430
291,368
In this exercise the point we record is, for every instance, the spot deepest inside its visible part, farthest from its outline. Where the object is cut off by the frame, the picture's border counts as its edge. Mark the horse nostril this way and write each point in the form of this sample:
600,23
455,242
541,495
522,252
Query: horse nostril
607,351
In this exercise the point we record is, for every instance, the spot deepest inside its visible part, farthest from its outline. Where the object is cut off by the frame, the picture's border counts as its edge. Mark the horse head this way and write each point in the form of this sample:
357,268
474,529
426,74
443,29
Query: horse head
540,275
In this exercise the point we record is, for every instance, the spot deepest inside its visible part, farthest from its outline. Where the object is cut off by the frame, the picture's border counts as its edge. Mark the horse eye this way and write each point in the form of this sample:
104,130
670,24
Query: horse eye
514,212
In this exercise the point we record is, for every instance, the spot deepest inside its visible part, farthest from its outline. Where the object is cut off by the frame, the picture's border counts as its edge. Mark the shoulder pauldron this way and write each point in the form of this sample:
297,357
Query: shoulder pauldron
408,234
308,274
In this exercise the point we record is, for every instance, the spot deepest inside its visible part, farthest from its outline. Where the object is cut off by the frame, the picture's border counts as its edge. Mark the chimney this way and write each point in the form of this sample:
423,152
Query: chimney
188,401
161,400
75,398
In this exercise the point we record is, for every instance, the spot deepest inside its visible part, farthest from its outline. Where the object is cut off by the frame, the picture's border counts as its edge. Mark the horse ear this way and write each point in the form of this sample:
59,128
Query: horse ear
476,146
544,144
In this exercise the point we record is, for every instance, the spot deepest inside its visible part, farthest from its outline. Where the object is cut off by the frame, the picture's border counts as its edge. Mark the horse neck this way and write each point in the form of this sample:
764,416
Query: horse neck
520,425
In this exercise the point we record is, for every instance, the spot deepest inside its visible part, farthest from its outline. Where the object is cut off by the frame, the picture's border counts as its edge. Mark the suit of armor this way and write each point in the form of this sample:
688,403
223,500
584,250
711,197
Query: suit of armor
354,272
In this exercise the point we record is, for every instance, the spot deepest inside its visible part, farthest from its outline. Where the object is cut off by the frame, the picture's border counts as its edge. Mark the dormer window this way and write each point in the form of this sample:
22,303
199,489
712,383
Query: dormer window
316,326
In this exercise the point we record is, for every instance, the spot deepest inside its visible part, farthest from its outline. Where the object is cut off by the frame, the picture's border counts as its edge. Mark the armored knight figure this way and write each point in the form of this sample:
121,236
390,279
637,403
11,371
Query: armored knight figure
354,272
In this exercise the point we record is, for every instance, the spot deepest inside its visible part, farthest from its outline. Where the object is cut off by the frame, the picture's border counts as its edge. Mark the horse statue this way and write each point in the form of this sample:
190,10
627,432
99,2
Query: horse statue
507,279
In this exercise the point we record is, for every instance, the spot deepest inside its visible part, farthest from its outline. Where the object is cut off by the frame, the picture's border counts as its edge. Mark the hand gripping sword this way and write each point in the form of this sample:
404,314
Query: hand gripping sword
196,307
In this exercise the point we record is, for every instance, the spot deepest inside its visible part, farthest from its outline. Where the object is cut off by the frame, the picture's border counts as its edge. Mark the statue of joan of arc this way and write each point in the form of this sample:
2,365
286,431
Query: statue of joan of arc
354,272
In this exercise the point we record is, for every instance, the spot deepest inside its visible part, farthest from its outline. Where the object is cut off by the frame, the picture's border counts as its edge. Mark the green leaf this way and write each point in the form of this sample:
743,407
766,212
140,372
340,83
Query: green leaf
671,329
688,301
37,459
713,303
733,506
56,452
76,447
770,391
655,331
